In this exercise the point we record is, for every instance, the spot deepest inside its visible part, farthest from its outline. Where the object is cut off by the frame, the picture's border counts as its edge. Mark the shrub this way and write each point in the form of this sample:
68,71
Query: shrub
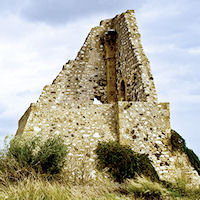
146,168
43,157
51,156
194,160
22,150
178,144
122,163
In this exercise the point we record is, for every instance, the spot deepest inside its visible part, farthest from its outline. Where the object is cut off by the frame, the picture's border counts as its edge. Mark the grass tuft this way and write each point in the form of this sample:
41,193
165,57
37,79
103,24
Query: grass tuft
143,187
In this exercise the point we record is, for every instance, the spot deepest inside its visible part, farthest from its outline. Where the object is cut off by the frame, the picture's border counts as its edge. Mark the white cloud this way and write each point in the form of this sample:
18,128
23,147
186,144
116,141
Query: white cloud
194,51
31,56
157,11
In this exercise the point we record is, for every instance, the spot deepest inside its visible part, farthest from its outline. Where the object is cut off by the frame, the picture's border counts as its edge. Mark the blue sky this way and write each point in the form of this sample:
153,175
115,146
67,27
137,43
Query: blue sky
38,36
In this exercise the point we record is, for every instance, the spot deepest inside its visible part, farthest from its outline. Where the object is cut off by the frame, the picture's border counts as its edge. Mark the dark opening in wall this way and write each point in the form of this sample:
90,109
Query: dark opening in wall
122,92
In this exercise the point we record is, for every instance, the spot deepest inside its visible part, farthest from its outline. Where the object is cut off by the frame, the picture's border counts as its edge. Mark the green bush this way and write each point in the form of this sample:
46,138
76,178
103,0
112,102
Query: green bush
178,144
146,168
51,156
122,163
22,150
194,160
43,157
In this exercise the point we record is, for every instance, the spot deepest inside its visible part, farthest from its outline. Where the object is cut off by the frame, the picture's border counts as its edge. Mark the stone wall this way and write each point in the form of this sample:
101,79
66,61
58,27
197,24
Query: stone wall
110,67
91,66
132,64
146,128
82,126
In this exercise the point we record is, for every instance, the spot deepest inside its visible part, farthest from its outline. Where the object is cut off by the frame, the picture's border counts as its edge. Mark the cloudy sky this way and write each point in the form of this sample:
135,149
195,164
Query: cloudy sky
38,36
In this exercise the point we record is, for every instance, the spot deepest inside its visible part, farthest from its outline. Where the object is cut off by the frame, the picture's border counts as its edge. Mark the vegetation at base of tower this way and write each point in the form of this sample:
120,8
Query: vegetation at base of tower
18,180
179,144
52,154
122,162
139,188
144,188
33,155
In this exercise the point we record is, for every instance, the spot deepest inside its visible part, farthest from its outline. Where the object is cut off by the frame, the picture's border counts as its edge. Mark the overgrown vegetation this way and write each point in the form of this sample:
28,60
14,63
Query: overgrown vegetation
179,144
139,188
27,163
33,155
122,162
193,159
146,189
51,156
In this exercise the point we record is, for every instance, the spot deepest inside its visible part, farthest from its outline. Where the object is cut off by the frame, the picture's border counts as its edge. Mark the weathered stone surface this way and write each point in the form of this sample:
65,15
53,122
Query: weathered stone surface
108,93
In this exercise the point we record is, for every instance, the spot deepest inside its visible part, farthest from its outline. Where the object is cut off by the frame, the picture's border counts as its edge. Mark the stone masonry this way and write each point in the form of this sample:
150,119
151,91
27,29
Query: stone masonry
108,93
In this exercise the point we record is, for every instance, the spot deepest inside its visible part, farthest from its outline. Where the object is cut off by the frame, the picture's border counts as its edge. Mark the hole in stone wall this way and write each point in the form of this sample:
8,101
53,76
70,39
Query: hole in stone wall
134,137
122,91
151,78
96,101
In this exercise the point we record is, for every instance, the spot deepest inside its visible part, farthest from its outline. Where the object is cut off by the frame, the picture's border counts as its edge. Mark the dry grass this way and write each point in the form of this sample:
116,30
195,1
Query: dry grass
31,189
38,188
144,187
35,190
23,183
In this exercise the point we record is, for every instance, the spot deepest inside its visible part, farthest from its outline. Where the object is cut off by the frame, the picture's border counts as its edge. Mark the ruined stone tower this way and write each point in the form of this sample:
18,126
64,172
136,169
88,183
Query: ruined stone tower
108,93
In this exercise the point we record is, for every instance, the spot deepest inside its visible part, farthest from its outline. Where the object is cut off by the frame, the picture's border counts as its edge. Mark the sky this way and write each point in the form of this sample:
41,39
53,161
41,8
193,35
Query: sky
38,36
